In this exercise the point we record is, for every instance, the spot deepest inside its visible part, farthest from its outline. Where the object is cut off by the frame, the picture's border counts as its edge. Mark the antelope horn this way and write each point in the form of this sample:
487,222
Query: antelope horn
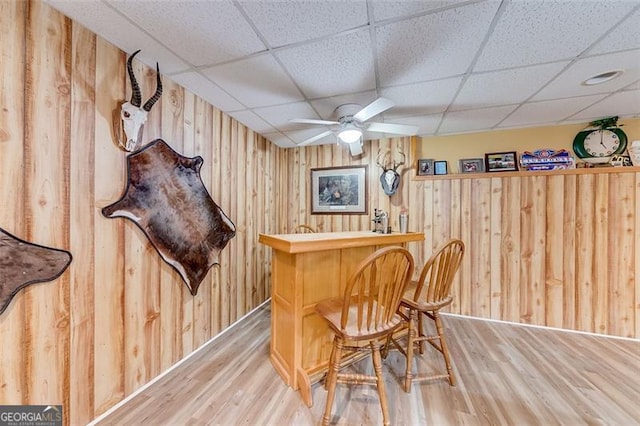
136,96
152,100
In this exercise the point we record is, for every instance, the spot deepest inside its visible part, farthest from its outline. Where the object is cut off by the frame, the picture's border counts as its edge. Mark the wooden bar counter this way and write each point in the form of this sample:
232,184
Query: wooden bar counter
305,269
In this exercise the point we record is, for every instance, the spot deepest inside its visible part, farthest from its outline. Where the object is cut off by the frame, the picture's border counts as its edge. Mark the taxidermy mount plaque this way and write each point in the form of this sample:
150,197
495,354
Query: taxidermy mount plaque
166,198
23,263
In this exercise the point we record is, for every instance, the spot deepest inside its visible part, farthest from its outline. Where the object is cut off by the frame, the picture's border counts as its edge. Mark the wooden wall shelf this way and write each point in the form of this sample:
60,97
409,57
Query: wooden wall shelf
594,170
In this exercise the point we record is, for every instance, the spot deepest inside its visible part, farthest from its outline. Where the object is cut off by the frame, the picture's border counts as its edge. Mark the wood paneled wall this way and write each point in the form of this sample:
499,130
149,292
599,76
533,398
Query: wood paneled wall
550,249
119,316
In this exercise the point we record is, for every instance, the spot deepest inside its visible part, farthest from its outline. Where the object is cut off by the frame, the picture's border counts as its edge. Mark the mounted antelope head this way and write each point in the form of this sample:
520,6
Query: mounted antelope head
132,115
390,178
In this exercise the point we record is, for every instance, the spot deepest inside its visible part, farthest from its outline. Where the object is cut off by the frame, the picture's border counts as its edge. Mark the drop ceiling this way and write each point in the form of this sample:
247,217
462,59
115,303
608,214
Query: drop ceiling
449,66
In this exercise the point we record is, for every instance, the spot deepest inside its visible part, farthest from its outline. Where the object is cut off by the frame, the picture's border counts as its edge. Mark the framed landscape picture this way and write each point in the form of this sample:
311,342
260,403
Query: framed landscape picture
339,190
501,161
471,165
425,166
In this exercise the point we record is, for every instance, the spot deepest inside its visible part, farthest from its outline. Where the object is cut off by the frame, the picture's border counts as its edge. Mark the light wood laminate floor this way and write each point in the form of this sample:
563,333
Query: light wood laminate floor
506,375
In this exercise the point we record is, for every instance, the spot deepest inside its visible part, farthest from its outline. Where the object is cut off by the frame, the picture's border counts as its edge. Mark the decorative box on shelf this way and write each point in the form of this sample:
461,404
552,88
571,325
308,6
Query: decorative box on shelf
547,159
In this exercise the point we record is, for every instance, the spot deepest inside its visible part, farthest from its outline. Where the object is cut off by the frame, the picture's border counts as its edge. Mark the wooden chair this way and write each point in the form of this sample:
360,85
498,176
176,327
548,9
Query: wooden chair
425,298
368,312
304,229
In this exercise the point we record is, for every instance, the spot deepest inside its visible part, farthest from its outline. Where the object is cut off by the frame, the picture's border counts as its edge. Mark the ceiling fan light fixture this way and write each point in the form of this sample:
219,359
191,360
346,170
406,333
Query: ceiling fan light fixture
350,133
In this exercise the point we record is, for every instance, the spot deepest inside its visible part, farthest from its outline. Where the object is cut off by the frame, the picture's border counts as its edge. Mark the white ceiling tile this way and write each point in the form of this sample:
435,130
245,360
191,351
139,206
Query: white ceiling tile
252,121
427,124
333,66
634,86
548,112
623,36
504,87
471,120
421,98
623,104
299,136
102,19
208,91
569,83
326,107
279,116
388,9
432,46
203,32
270,86
291,21
280,139
530,32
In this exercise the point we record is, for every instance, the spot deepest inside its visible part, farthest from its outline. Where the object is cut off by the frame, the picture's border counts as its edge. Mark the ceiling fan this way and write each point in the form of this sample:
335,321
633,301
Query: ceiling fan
352,121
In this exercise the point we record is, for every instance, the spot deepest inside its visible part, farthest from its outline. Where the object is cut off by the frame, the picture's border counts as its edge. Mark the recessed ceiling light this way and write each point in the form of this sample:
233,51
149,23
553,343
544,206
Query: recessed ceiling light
602,78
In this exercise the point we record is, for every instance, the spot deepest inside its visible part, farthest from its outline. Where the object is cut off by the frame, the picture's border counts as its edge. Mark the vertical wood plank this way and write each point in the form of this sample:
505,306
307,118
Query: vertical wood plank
225,204
232,283
109,179
554,260
202,143
511,248
171,291
463,299
600,302
569,252
13,15
636,269
47,100
187,145
620,264
481,239
533,225
217,185
495,279
585,252
239,282
441,212
81,206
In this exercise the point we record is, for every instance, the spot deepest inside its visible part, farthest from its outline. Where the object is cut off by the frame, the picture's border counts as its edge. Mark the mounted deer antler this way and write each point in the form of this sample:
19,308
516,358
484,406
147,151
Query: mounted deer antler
390,178
132,115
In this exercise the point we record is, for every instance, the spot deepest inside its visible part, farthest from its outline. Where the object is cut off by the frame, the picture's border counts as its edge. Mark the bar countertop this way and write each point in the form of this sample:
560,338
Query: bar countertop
301,243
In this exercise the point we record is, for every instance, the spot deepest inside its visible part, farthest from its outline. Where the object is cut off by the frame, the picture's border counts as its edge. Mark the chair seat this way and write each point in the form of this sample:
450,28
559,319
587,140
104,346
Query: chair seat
331,310
421,303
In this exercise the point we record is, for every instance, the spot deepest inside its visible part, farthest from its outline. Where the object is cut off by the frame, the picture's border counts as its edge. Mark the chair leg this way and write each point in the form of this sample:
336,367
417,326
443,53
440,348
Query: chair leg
382,392
411,335
385,349
421,332
445,349
332,378
331,358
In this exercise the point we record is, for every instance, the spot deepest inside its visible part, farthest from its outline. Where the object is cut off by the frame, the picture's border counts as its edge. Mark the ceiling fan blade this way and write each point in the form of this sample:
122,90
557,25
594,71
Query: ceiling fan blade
374,108
311,121
398,129
315,138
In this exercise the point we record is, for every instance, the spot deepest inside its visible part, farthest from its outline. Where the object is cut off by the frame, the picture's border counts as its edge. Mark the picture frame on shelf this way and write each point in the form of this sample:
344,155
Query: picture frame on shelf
440,167
501,161
471,165
425,166
339,190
